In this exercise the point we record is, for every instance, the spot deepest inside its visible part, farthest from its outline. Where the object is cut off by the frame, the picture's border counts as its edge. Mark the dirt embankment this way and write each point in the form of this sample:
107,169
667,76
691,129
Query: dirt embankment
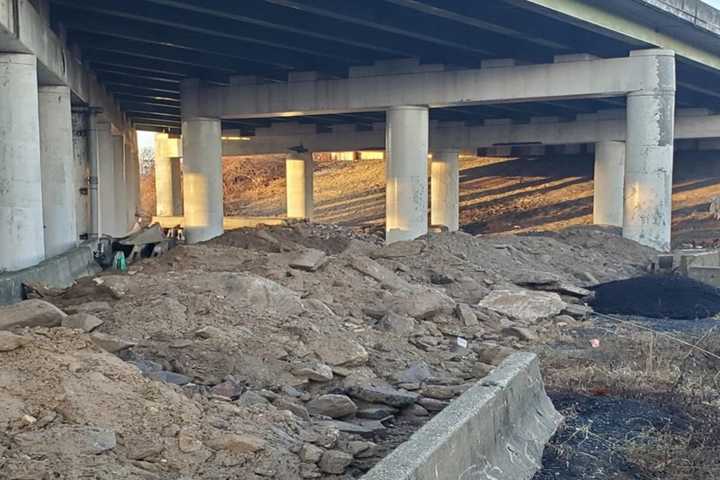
292,352
497,194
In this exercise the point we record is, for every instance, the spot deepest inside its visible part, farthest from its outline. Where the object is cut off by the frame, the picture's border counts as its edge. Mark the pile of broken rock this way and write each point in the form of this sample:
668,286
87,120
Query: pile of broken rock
290,352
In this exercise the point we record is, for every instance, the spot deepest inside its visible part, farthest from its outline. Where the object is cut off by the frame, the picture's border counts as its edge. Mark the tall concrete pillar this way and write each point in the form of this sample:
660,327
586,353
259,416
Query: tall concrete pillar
445,189
406,196
609,183
58,170
22,242
132,180
105,178
649,153
120,200
168,176
202,179
299,184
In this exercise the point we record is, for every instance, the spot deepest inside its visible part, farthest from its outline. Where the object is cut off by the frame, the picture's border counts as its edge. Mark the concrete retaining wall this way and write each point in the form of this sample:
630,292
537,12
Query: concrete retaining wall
56,272
497,430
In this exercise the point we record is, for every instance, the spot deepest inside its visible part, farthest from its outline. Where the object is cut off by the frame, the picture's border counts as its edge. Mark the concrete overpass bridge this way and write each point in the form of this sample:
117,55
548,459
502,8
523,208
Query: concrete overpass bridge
413,77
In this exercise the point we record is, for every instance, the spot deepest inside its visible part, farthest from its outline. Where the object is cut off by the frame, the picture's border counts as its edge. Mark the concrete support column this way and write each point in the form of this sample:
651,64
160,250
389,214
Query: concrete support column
132,180
58,174
105,177
22,242
609,183
299,184
120,200
649,154
168,177
445,189
202,179
406,197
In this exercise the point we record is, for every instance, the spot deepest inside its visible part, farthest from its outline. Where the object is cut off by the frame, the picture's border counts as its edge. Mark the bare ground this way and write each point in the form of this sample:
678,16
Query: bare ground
242,327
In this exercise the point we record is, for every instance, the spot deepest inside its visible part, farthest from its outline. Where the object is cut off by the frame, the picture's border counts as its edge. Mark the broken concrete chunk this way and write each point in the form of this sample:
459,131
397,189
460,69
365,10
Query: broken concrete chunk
376,271
432,404
335,461
524,305
383,394
415,373
339,351
293,407
465,314
441,392
258,293
30,313
309,453
111,343
317,372
421,303
522,333
333,406
309,260
398,324
10,341
67,440
82,321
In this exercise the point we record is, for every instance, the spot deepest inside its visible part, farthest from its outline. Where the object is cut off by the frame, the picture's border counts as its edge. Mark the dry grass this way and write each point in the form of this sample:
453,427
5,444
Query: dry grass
682,372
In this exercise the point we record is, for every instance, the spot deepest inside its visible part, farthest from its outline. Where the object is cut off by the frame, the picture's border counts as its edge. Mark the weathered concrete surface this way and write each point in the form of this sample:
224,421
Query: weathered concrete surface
229,223
56,272
709,275
497,430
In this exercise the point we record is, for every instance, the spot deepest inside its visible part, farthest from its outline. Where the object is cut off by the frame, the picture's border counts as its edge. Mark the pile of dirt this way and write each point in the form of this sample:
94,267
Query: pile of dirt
313,349
658,296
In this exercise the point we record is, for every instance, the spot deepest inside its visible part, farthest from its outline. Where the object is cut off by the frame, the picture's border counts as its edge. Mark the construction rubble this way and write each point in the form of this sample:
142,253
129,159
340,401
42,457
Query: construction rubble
301,351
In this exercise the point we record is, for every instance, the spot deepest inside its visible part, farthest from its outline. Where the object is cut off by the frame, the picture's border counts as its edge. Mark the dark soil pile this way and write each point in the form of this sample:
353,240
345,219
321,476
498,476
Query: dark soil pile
658,296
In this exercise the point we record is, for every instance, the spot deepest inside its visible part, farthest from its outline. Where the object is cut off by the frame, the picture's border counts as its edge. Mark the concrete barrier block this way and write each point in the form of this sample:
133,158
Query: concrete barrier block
56,272
705,258
496,430
709,275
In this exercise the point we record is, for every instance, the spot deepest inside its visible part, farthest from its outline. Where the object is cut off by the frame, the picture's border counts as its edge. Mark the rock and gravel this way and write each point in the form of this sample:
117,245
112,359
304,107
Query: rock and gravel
303,351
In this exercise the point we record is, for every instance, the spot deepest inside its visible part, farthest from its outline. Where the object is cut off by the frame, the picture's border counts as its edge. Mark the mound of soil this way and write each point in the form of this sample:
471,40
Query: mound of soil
243,360
658,296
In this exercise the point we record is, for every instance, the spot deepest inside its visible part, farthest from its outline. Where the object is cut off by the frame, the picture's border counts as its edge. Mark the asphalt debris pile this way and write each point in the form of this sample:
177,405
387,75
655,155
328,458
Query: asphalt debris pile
301,351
